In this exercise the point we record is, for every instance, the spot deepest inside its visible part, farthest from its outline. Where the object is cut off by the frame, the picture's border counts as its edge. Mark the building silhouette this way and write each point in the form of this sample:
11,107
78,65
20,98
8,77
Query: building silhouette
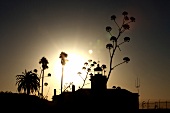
98,97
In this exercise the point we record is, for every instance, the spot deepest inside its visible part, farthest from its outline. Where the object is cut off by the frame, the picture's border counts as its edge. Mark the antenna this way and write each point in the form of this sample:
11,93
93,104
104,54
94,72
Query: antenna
137,84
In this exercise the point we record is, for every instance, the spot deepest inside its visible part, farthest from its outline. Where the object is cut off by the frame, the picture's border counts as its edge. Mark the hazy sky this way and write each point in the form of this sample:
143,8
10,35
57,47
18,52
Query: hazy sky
31,29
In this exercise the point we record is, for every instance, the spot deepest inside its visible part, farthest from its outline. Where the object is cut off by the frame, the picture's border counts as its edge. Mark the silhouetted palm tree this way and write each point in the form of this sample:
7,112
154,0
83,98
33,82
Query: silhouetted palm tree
28,82
43,61
63,57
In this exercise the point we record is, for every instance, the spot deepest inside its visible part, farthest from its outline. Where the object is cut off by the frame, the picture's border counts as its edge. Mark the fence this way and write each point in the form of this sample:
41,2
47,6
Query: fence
154,104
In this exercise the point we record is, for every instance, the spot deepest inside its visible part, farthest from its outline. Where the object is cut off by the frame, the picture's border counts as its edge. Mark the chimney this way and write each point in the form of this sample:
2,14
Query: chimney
73,88
54,92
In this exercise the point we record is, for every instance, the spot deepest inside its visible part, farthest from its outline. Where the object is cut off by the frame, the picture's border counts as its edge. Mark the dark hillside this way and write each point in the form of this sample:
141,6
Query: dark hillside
22,103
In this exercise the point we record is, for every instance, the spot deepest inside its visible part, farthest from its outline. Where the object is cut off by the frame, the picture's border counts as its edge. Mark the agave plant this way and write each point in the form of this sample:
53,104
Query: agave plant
87,68
115,40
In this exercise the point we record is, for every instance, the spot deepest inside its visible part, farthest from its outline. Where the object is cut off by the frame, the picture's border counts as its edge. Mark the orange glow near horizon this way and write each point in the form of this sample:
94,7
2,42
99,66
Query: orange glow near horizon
74,65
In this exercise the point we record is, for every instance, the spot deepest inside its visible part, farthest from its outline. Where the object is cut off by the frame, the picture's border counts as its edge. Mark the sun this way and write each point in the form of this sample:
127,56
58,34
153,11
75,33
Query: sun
74,65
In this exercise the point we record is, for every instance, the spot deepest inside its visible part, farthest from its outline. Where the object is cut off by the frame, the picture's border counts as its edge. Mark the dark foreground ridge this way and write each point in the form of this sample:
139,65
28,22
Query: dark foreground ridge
95,99
21,103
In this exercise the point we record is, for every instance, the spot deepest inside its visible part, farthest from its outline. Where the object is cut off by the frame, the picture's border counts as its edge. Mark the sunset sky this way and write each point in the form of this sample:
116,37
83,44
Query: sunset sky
31,29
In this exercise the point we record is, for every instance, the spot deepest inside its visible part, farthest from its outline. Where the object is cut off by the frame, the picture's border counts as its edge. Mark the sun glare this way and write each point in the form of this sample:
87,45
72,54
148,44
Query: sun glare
90,51
72,67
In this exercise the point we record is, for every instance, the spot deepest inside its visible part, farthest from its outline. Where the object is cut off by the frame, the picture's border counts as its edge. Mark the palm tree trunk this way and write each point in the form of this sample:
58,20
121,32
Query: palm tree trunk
28,90
42,83
62,79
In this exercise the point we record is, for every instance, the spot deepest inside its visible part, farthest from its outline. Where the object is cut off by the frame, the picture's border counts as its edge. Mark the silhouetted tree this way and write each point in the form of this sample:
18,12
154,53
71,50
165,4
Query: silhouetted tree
63,57
115,44
28,82
44,62
67,86
87,68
